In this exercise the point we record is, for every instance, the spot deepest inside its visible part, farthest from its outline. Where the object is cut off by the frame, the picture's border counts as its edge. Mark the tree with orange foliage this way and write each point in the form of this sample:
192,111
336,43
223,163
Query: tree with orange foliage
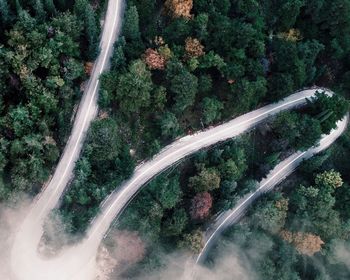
154,60
305,243
179,8
193,47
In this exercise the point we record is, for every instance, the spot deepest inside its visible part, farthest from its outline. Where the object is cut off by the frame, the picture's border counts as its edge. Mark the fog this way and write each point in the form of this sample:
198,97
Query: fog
10,218
231,264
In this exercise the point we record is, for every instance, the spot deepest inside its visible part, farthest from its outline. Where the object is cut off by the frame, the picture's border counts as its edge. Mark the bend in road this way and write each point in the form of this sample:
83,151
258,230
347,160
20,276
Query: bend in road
30,232
276,175
181,148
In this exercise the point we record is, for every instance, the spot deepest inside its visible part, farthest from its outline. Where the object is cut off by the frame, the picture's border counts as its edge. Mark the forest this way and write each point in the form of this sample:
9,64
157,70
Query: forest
179,67
172,74
45,47
185,76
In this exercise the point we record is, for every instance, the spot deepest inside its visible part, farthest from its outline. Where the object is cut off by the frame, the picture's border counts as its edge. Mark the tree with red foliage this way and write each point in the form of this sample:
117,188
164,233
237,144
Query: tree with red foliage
154,60
201,205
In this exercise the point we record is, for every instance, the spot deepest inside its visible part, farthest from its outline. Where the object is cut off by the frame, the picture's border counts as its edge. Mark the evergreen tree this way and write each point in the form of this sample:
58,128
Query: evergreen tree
39,10
50,7
4,12
131,29
91,30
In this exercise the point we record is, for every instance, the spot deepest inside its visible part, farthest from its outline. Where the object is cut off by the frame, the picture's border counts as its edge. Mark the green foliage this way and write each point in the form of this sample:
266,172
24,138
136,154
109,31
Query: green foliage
134,88
211,109
328,109
86,13
192,242
169,125
175,224
167,191
313,206
39,81
298,130
131,29
270,213
206,180
106,162
184,86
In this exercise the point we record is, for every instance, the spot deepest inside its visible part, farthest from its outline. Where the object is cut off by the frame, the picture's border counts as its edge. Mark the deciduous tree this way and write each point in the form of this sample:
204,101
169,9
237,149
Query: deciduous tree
201,205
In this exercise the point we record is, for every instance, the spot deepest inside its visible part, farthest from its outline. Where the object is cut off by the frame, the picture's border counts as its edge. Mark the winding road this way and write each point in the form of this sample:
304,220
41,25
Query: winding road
24,260
276,175
78,262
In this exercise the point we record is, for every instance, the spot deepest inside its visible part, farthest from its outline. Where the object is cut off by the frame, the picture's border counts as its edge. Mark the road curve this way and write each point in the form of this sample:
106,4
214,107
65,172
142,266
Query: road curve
276,175
30,232
119,199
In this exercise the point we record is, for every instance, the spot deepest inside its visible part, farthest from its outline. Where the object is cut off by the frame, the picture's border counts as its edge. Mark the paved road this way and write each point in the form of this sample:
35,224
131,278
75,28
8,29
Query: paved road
78,263
29,234
181,148
281,171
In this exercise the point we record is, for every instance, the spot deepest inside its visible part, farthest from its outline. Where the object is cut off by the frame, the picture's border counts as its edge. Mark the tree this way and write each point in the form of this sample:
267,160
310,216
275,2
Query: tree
40,13
305,243
201,205
208,179
169,125
50,7
287,13
103,140
159,97
193,47
298,131
166,191
176,223
131,29
192,241
227,197
84,11
4,12
91,28
200,24
270,213
211,109
154,60
179,8
313,130
328,109
230,170
183,85
134,88
330,179
313,206
248,186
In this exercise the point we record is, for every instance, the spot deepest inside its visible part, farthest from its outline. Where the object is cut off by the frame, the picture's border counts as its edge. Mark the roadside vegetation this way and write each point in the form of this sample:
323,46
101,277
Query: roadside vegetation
183,75
43,48
172,211
300,234
181,66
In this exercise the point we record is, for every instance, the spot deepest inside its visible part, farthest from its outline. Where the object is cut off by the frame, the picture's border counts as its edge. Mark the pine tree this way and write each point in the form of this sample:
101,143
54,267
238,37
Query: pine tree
50,7
91,30
19,8
40,13
80,7
131,28
4,12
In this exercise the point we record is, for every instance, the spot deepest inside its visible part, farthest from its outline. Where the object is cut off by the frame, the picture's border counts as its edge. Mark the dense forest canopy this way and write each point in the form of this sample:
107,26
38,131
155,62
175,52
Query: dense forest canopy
43,47
197,63
181,66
